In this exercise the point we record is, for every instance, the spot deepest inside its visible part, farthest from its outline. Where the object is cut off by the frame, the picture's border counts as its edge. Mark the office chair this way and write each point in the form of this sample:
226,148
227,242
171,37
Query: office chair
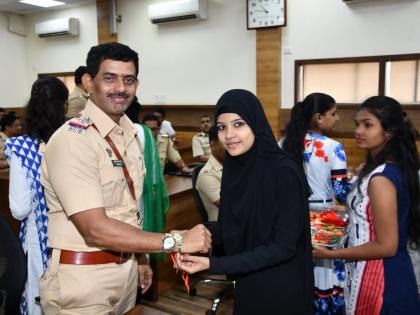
13,269
207,279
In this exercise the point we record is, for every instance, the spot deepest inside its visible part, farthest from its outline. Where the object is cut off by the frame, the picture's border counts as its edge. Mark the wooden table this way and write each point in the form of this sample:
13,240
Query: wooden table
141,309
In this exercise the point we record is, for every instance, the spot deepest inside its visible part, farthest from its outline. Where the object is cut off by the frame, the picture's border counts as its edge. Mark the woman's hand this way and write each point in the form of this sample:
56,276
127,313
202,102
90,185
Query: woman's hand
322,252
339,207
192,264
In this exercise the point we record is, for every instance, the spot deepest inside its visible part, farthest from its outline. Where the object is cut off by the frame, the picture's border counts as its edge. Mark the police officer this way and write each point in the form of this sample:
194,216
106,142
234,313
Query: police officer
200,142
209,179
165,145
92,172
79,96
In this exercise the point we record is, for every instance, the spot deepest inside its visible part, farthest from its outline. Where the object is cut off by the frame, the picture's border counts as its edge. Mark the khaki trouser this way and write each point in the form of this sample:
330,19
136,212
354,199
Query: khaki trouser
88,289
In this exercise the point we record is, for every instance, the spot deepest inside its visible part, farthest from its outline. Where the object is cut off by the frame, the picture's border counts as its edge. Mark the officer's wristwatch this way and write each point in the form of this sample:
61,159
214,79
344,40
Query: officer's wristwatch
168,243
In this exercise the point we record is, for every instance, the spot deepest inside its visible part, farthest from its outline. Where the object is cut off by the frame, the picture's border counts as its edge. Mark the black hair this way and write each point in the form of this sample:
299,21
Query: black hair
113,51
213,134
45,109
160,111
133,111
148,117
8,120
401,149
78,74
2,110
300,122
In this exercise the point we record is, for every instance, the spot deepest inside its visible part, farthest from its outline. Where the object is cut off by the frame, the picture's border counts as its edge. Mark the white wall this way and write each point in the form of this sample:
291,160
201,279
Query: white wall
330,29
191,62
60,54
195,62
13,67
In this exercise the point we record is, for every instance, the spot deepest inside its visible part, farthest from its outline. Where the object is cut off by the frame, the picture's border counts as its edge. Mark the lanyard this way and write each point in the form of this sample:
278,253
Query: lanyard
127,176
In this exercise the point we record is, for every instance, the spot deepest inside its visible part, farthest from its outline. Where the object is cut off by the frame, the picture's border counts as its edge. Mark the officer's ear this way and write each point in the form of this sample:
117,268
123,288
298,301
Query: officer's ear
87,82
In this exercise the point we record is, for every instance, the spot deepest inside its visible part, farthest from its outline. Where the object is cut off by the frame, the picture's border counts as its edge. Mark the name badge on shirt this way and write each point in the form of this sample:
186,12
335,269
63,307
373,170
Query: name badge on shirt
118,163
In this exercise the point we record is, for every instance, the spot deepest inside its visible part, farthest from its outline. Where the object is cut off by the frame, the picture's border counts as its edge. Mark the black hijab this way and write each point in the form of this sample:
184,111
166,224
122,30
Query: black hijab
248,198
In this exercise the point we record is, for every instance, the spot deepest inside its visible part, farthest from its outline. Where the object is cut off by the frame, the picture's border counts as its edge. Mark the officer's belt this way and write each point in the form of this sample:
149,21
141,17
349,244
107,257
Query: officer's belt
93,258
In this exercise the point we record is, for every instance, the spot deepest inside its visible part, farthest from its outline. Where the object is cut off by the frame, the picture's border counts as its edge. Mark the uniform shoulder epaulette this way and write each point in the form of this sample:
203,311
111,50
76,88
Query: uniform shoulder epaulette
79,123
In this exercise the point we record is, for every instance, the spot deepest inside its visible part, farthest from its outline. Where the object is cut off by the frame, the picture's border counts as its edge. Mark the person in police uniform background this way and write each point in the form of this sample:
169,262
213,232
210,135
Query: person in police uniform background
200,142
165,145
209,179
79,96
93,227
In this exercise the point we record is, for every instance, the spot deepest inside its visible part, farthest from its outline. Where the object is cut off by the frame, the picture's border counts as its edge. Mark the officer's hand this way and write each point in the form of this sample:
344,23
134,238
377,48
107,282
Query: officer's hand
186,170
196,240
145,277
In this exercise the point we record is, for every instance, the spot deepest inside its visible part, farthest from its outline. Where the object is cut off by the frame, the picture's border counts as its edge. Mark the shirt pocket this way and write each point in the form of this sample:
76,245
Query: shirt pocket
112,183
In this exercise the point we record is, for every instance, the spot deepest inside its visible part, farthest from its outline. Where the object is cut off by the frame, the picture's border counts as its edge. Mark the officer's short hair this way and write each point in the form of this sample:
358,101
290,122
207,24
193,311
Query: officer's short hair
213,134
112,51
78,74
152,117
8,120
160,111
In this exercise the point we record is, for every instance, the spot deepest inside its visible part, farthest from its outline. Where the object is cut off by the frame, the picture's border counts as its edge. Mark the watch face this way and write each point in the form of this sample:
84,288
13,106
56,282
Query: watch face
168,242
266,13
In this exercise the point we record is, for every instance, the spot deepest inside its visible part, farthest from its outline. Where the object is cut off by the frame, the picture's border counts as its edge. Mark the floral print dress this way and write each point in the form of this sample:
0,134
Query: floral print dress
326,171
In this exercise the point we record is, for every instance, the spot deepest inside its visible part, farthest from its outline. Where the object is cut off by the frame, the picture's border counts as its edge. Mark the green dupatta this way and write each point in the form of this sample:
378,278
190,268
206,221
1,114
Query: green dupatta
155,195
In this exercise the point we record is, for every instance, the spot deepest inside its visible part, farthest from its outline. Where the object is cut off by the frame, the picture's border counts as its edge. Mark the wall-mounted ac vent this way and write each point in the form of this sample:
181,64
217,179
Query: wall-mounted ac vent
359,1
58,27
179,10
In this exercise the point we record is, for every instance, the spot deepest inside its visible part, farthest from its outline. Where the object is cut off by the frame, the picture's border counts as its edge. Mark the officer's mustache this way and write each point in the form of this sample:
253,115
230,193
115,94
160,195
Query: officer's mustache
122,94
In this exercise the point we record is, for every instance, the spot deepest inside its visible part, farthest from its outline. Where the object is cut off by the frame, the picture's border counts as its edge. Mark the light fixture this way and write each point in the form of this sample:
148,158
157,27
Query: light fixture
43,3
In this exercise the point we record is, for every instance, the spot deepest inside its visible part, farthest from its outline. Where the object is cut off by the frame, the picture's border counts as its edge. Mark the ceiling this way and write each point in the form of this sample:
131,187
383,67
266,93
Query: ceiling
14,6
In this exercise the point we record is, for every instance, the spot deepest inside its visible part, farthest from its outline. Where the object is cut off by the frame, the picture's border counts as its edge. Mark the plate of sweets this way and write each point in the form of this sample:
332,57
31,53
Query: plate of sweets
328,227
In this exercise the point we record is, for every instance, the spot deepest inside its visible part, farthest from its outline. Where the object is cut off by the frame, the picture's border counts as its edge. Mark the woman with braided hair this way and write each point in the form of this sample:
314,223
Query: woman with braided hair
45,113
324,162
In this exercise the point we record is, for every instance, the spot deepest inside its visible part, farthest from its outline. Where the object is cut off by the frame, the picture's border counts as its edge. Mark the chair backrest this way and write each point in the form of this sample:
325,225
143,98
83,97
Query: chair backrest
197,198
13,268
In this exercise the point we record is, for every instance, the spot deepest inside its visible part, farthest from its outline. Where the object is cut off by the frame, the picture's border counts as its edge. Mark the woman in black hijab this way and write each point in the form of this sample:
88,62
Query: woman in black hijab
263,225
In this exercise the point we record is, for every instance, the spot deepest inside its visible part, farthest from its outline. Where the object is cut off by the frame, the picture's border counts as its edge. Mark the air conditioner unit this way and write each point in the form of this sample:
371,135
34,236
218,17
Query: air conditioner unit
178,10
58,27
358,1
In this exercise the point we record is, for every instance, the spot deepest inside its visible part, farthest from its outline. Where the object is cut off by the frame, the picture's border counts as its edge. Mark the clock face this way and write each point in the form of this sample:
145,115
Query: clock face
266,13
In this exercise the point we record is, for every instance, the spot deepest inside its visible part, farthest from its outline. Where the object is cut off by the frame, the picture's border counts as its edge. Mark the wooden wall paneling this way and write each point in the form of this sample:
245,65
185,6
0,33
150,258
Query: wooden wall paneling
103,17
268,74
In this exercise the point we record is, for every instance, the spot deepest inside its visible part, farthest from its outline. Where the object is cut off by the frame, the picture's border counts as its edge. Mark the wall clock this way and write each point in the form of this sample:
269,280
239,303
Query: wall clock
266,13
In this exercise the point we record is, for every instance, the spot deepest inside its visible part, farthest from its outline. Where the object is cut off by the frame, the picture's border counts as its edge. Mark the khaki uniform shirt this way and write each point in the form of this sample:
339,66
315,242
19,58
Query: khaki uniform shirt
201,145
166,150
78,174
3,139
208,185
77,102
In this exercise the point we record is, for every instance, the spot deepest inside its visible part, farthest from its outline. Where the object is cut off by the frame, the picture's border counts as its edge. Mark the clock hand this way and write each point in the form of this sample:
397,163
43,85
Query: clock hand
265,10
